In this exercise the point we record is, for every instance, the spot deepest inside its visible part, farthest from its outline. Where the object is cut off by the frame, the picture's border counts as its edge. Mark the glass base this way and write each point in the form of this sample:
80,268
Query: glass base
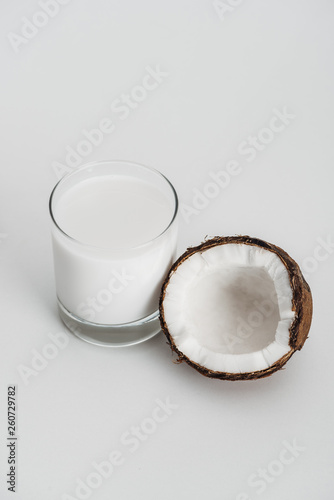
111,335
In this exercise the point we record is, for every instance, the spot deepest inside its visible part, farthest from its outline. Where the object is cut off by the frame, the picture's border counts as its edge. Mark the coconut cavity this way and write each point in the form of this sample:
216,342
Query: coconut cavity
241,307
229,308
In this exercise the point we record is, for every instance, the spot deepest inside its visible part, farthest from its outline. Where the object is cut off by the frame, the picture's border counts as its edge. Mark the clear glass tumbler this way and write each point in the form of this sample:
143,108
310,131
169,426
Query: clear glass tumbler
114,235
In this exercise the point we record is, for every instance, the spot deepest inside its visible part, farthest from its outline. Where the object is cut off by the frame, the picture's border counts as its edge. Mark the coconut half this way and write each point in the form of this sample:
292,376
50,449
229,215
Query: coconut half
235,308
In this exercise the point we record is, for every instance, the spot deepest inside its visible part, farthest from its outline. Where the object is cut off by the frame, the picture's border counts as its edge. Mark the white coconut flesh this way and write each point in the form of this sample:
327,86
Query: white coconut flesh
229,308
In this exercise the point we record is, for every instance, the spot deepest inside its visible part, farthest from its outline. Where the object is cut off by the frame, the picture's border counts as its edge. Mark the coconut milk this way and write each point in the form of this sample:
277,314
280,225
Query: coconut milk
113,245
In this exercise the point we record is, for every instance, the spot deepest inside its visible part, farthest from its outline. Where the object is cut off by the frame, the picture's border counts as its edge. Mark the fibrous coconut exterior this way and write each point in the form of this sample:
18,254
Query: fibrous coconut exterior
301,305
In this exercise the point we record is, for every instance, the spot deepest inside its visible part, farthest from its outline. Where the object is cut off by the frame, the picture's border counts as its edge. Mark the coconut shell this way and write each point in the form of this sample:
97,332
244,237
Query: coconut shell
301,304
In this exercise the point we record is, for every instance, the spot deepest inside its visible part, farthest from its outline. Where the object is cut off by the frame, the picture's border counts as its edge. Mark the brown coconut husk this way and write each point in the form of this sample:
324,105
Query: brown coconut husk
301,304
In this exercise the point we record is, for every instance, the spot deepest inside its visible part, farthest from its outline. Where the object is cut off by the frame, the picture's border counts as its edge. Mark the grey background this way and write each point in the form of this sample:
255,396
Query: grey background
226,75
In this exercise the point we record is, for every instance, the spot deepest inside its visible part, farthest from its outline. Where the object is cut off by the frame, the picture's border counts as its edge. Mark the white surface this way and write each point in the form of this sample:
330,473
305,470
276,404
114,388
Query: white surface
227,80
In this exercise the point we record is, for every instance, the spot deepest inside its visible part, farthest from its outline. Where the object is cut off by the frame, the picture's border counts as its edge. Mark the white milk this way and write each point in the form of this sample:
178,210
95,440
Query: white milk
110,267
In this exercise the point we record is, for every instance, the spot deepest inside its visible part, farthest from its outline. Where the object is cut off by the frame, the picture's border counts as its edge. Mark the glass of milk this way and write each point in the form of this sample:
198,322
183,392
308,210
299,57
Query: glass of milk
114,235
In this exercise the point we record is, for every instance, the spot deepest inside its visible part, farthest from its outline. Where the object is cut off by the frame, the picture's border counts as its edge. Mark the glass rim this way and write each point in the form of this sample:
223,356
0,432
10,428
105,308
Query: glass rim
114,162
